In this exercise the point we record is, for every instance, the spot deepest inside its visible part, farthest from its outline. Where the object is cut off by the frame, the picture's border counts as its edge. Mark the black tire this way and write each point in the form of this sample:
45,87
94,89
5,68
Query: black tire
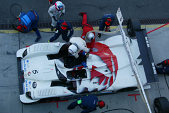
161,105
132,26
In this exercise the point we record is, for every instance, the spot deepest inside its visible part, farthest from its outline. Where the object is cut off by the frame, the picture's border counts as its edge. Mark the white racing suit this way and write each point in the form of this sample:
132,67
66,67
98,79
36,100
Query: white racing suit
55,14
81,45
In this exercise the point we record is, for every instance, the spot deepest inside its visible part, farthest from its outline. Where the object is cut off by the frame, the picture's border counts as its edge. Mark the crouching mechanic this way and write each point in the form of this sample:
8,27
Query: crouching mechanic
62,28
56,11
28,22
87,103
163,67
105,23
87,34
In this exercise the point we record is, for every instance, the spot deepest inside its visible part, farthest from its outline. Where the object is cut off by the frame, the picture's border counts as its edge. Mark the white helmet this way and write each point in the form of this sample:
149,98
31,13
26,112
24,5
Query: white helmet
90,36
72,49
59,5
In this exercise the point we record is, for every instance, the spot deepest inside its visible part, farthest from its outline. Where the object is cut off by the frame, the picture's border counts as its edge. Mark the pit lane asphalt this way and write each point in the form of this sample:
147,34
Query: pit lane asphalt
9,90
10,43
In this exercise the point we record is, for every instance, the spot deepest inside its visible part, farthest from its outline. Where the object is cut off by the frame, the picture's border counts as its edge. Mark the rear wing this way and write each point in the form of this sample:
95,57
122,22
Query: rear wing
131,59
146,56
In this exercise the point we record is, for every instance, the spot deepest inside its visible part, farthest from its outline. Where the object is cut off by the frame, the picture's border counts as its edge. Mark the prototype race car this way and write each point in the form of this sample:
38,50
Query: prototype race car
109,69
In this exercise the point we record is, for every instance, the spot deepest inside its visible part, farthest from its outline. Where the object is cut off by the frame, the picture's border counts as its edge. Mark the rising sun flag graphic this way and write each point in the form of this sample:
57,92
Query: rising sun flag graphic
109,59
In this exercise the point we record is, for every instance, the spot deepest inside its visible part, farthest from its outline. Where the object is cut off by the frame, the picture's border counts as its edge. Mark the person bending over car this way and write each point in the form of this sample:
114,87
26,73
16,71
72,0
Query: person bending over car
87,35
163,67
73,53
88,103
105,23
27,22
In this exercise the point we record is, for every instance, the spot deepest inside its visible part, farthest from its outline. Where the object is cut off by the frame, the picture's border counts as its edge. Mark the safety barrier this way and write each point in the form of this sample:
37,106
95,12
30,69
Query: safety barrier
94,23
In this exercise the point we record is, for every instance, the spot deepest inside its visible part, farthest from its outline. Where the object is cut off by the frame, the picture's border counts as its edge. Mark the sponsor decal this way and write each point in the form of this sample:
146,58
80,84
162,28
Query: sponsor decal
29,82
29,73
27,85
24,65
111,62
34,85
26,89
23,88
34,71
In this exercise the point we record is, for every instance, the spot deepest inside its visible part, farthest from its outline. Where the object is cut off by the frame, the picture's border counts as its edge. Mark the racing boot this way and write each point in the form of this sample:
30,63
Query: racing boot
52,28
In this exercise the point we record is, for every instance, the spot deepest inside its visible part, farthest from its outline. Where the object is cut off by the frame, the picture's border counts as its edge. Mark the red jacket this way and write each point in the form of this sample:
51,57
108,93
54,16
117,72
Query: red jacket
86,29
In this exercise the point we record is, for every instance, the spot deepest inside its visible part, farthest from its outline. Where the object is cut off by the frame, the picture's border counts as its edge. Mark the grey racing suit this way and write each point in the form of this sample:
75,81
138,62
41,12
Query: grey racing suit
55,14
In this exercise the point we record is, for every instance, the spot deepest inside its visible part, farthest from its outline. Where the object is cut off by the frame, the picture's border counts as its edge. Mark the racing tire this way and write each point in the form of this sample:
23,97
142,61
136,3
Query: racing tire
161,105
132,26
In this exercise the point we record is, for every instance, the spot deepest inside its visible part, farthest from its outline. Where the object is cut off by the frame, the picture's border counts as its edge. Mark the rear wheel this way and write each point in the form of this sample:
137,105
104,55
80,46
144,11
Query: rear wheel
161,105
132,26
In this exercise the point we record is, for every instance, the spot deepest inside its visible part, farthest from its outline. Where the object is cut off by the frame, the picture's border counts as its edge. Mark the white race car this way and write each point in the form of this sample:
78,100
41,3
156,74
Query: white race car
109,69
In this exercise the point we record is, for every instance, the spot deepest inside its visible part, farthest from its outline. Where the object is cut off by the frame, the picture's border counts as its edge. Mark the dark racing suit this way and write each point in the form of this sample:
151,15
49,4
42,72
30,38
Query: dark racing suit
69,60
60,31
102,24
163,67
89,103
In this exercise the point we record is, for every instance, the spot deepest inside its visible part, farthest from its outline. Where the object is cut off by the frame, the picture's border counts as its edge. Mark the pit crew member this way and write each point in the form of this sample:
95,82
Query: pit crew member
105,23
27,22
163,67
87,103
56,11
62,28
88,36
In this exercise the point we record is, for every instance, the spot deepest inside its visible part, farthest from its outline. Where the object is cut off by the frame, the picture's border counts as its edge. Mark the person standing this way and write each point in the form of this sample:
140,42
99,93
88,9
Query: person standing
62,28
105,23
28,22
56,11
88,103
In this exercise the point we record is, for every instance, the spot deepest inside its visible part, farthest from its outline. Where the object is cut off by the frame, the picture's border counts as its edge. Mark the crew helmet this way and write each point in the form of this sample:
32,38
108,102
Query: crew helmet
19,28
101,104
90,36
72,49
59,5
